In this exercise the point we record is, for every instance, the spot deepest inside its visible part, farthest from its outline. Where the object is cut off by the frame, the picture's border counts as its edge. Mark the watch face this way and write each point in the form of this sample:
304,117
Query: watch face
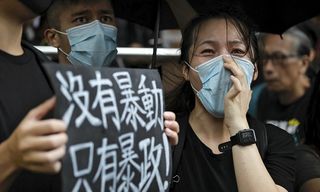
247,137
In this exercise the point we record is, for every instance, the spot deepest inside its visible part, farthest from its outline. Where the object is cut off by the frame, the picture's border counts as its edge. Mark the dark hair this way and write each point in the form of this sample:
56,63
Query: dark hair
234,15
190,34
58,6
304,44
312,124
308,28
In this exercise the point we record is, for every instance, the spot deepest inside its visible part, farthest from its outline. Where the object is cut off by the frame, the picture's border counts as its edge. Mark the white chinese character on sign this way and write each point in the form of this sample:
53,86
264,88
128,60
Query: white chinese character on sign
73,91
106,100
108,166
150,166
152,102
126,142
84,168
132,110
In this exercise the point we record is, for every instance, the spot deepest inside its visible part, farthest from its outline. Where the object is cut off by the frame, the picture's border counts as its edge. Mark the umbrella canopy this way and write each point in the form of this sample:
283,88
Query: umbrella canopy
272,16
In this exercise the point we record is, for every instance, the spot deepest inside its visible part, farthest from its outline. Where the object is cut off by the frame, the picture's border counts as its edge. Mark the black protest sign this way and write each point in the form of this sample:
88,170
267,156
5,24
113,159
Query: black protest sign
115,128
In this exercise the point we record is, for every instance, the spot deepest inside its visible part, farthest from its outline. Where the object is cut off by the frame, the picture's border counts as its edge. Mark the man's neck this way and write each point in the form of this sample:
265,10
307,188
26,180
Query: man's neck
289,97
10,36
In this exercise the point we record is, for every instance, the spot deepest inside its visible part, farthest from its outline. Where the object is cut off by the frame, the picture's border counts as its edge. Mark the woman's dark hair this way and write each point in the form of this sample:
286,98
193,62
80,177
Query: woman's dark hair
312,124
184,94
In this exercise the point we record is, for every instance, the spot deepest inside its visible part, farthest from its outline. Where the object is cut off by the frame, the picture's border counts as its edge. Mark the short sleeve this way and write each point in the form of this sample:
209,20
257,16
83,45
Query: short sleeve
280,158
308,165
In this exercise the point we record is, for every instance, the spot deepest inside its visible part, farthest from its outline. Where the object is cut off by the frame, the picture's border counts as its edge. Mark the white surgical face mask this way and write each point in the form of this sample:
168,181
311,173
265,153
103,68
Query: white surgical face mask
92,44
216,82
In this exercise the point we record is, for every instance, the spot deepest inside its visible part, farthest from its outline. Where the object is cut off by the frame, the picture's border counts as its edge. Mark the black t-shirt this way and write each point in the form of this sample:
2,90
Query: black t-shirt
202,170
23,86
308,165
287,117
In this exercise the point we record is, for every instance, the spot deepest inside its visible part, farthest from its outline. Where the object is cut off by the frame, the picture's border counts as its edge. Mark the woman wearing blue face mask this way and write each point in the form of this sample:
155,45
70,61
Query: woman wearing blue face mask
220,147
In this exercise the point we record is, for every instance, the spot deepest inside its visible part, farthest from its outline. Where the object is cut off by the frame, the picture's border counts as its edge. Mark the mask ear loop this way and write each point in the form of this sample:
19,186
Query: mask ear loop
63,33
194,89
66,54
190,66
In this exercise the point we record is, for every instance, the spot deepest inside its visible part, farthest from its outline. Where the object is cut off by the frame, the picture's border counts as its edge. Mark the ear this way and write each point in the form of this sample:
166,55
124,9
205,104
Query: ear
255,72
52,37
305,61
312,54
185,72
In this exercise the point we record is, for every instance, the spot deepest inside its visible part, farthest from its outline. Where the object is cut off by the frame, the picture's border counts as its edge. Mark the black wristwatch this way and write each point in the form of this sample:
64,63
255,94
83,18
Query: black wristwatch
243,138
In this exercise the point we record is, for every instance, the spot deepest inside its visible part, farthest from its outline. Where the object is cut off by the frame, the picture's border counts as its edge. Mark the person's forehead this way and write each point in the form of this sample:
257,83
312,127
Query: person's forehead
83,8
218,30
273,43
94,6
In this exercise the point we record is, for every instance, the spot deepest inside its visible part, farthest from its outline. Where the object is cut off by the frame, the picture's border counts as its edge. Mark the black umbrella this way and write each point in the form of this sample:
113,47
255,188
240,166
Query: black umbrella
153,14
272,16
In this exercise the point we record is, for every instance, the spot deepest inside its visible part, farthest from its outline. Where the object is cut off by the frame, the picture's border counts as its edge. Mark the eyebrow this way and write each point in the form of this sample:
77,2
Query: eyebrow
106,11
79,13
207,42
234,42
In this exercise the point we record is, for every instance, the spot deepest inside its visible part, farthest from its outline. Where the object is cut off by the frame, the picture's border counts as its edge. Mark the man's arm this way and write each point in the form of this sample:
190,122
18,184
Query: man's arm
8,169
35,145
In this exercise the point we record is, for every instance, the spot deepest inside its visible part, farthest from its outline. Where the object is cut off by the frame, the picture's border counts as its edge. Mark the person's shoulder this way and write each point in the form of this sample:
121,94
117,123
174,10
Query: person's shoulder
257,89
277,132
40,55
271,134
267,96
278,148
307,164
271,129
266,101
280,140
303,150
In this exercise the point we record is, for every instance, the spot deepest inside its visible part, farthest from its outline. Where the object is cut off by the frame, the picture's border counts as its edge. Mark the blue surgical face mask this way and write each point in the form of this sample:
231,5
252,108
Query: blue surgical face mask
92,44
216,82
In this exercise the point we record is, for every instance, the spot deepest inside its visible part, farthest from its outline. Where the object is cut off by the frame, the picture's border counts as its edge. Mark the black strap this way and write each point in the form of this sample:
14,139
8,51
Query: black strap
225,146
177,152
156,35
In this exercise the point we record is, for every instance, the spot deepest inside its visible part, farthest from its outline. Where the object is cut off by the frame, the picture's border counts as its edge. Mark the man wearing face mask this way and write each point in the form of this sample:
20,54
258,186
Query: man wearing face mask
30,146
83,31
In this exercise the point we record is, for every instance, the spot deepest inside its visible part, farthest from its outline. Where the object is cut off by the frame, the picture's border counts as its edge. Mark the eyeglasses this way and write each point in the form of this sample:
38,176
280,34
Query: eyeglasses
277,59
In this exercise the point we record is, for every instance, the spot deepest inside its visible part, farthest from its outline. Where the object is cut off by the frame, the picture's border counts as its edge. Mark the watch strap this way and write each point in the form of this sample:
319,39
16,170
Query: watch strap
226,146
236,140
